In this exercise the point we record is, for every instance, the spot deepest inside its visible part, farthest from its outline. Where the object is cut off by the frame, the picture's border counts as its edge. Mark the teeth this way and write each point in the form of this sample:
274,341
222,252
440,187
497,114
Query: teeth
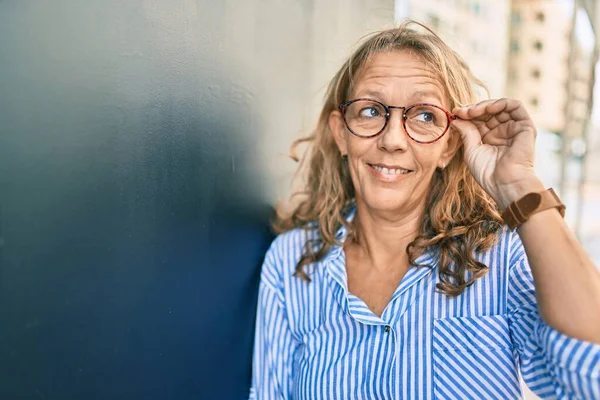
388,171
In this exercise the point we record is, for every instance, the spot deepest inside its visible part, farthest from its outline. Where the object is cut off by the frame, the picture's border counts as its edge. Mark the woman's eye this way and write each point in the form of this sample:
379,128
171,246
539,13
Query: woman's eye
425,116
369,112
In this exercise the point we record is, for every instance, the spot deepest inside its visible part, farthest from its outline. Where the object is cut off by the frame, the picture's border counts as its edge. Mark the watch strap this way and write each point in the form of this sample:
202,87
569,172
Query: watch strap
521,210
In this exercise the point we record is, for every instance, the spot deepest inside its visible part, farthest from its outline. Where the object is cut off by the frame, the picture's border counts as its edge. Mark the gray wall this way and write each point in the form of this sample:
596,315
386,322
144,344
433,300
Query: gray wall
141,145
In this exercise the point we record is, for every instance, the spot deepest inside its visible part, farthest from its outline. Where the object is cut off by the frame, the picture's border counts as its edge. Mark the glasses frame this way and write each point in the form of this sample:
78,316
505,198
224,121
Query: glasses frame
343,107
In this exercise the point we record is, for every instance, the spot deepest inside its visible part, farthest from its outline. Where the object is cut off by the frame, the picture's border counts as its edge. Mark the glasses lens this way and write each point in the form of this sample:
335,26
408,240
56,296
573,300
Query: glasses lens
426,123
365,118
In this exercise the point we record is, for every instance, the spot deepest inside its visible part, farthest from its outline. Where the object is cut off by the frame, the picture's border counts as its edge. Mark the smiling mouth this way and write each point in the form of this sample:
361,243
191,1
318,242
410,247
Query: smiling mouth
390,171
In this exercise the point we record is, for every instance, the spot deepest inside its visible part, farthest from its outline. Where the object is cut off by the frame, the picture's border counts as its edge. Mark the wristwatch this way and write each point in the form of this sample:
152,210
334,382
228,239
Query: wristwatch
519,211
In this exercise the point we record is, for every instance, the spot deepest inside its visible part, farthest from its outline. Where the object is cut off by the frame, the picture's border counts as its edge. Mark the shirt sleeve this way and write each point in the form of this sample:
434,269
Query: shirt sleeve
552,364
274,344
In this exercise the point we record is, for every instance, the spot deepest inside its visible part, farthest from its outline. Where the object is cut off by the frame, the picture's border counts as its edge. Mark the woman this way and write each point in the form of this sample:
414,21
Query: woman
395,276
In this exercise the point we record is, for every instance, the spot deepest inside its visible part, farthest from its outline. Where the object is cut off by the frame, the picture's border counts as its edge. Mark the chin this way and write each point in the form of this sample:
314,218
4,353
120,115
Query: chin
385,202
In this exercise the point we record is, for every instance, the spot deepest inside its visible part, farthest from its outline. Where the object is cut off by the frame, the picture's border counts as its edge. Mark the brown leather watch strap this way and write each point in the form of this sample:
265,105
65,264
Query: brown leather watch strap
519,211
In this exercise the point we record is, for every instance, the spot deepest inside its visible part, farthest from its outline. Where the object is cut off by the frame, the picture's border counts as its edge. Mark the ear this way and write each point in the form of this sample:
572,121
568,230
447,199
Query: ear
451,146
338,129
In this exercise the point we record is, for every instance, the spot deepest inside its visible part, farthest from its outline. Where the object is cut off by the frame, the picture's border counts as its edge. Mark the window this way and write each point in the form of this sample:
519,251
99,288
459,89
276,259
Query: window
536,73
540,17
514,46
516,18
538,45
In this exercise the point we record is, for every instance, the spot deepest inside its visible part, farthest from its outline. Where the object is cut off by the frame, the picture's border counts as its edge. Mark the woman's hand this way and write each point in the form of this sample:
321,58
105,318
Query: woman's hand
499,146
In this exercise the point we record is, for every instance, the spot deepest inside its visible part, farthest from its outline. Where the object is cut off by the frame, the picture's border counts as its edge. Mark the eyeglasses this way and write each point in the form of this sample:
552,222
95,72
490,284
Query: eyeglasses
424,123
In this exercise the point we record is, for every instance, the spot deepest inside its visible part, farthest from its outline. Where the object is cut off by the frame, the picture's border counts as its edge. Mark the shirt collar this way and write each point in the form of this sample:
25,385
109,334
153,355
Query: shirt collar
342,233
335,268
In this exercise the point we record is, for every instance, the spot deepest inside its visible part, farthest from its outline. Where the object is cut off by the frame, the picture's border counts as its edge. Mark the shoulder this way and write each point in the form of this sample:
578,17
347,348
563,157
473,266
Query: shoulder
506,259
517,275
508,246
285,253
506,252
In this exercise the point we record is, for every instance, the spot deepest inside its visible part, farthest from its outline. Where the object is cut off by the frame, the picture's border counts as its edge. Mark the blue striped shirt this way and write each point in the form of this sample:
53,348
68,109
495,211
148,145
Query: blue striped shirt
318,341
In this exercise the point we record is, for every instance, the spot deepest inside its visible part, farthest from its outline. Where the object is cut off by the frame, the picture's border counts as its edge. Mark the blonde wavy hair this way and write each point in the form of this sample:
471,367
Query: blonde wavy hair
460,218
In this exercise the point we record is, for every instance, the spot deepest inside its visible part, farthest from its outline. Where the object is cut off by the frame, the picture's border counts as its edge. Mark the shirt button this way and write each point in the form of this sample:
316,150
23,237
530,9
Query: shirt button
387,328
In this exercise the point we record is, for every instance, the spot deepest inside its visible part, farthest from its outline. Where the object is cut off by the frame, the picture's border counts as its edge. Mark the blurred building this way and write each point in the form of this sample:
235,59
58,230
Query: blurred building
477,30
579,80
547,72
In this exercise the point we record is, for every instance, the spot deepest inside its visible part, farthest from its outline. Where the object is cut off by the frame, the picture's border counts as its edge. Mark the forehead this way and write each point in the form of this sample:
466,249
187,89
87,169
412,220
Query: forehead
399,76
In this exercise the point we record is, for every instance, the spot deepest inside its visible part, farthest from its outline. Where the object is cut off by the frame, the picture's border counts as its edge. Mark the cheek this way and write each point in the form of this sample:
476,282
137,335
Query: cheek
358,147
358,150
428,158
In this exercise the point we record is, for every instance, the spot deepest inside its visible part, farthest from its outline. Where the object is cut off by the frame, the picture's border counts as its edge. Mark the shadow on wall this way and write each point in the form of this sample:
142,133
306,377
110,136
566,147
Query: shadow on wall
131,210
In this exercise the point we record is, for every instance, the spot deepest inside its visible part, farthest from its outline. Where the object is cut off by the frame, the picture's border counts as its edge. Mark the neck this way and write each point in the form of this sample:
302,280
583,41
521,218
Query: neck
383,237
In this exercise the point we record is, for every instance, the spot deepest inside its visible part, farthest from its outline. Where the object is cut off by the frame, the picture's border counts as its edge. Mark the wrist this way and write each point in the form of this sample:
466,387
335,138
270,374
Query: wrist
516,190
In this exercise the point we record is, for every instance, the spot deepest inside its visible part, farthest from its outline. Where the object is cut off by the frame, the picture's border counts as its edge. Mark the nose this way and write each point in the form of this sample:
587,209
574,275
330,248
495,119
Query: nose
394,137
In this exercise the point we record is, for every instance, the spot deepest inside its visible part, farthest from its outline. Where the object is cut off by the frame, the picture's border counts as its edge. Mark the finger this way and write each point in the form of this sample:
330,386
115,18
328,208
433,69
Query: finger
514,108
469,133
506,133
496,120
496,140
479,125
472,111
